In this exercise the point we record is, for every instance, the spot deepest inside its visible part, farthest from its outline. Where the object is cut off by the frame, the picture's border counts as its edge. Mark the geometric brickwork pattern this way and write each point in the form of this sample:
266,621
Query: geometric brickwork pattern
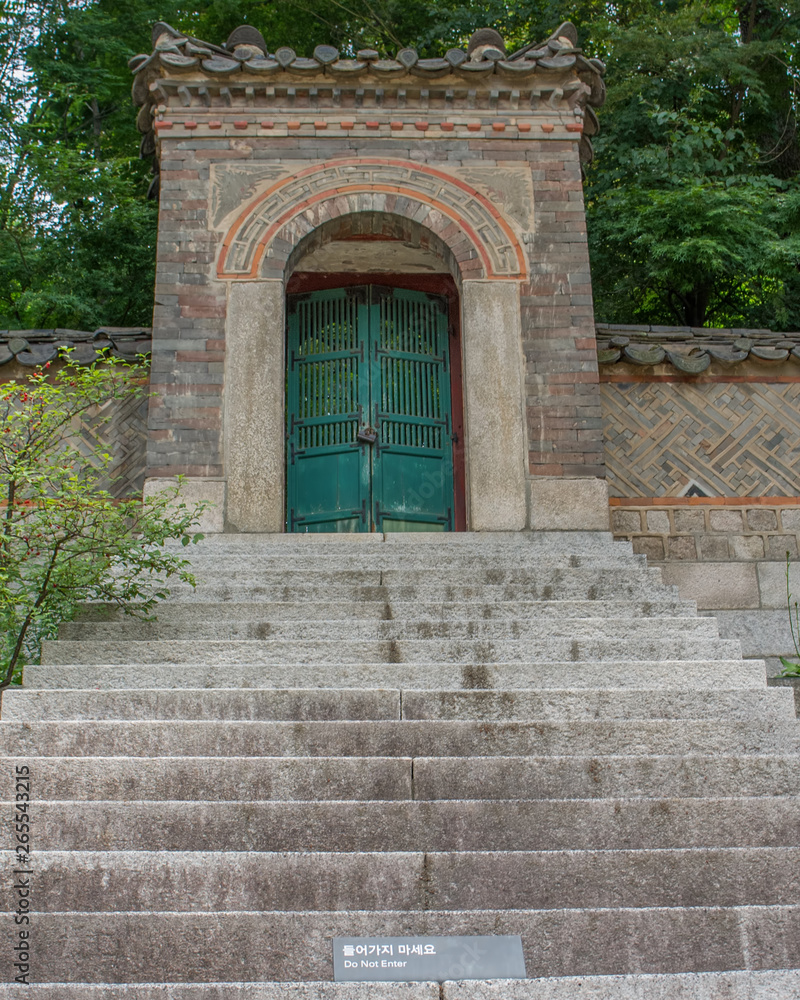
120,428
445,204
727,439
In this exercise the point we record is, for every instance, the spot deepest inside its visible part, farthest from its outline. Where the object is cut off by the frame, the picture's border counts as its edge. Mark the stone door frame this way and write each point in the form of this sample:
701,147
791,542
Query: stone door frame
487,276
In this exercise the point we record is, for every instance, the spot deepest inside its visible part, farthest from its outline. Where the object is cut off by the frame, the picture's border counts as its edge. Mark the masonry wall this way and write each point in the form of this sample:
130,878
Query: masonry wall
118,427
729,555
537,182
563,403
187,372
721,438
731,435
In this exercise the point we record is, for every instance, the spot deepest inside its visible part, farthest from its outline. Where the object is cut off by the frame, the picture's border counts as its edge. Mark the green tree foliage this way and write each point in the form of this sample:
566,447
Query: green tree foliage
64,539
76,231
693,198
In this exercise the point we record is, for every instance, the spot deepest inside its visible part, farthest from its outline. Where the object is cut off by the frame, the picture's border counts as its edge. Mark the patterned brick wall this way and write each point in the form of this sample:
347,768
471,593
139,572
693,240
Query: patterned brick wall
120,428
726,438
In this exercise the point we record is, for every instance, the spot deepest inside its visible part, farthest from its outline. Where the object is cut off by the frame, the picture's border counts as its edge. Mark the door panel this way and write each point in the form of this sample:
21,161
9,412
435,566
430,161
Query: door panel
413,453
368,412
327,486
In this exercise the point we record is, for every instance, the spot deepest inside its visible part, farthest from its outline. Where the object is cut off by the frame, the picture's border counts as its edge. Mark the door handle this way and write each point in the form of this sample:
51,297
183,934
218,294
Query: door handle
367,434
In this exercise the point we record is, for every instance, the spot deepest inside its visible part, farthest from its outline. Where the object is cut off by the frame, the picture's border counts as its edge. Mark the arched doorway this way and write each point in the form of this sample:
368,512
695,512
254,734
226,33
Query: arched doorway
341,238
374,409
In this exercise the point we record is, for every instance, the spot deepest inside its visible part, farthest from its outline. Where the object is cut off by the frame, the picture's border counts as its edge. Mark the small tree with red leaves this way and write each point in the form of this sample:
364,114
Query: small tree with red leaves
64,539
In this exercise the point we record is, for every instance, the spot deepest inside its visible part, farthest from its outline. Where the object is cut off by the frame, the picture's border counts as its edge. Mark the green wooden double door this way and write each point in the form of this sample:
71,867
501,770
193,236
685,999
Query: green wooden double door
368,414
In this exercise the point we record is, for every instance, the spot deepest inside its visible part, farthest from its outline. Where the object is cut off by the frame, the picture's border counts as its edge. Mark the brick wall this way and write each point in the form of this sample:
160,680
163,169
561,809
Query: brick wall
188,322
563,401
726,435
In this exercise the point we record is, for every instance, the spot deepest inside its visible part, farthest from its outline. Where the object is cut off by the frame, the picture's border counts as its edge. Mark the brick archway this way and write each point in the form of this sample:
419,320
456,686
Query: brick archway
373,227
261,241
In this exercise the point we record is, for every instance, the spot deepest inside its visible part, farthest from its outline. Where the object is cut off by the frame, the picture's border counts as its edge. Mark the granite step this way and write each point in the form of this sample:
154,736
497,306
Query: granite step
517,733
175,613
533,630
203,881
741,985
536,572
236,991
347,704
285,779
573,585
454,825
483,557
409,567
222,652
408,738
641,674
774,984
431,543
279,947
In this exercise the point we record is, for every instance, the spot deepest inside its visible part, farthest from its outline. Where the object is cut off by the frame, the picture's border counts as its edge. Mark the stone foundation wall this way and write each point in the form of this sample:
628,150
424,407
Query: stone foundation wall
737,529
729,555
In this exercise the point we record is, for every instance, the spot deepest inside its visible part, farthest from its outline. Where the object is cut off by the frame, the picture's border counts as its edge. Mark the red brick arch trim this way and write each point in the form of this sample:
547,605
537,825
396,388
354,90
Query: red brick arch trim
483,243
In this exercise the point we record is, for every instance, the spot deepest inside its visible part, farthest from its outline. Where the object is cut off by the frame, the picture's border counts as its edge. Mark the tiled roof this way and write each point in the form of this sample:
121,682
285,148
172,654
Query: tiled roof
691,350
176,51
191,70
37,347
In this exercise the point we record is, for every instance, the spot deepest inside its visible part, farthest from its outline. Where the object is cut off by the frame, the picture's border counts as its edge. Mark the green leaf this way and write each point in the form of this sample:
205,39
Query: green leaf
791,668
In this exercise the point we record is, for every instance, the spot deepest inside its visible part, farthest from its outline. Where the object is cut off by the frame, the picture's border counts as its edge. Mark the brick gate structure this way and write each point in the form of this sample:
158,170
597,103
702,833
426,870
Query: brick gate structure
460,175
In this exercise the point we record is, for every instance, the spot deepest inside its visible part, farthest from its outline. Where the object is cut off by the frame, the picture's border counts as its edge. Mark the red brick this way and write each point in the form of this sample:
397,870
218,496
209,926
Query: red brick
209,312
544,469
222,154
200,356
193,424
180,175
573,377
195,389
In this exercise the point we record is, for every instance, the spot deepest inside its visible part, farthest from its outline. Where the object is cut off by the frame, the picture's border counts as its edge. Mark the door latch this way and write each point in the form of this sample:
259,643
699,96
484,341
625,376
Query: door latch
367,434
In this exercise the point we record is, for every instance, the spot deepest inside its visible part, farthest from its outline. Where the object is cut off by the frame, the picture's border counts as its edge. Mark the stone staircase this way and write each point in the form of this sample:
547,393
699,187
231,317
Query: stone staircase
418,734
